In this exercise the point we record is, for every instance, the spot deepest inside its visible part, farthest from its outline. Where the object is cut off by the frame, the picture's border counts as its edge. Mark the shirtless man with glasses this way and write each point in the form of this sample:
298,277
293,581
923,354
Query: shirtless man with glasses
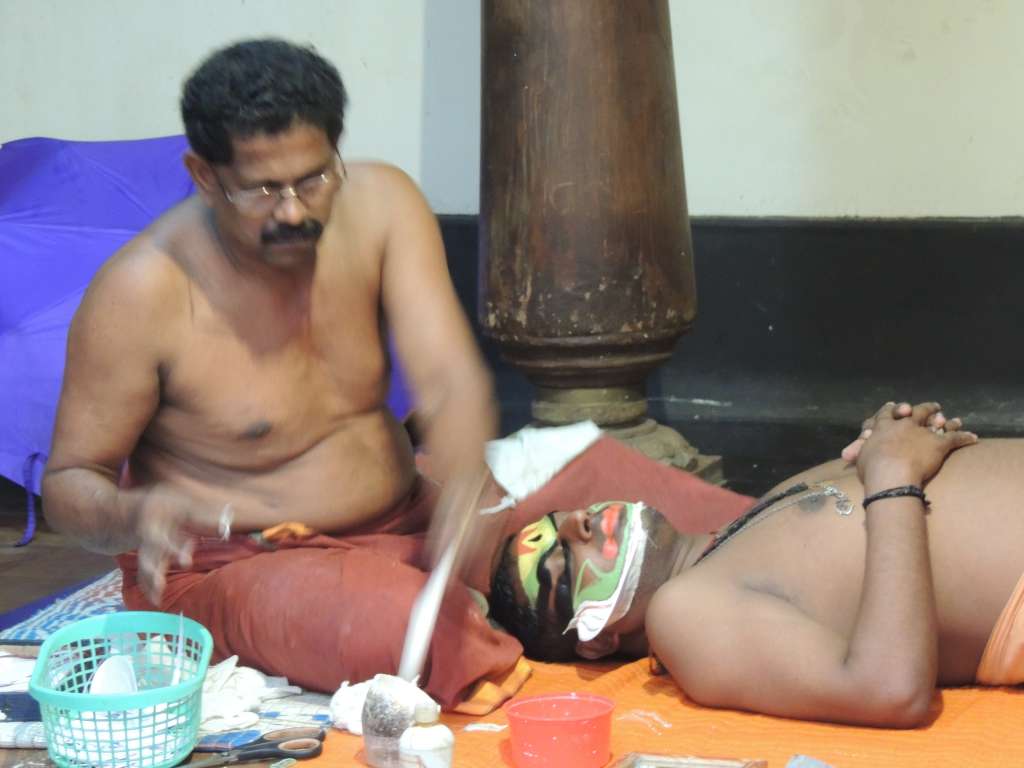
223,425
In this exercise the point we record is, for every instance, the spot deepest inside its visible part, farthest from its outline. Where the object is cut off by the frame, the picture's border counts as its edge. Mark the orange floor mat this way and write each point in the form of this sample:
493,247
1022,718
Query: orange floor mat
972,727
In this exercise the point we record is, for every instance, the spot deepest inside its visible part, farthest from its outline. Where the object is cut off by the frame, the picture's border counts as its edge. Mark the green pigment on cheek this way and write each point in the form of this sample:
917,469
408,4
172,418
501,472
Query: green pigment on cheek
603,583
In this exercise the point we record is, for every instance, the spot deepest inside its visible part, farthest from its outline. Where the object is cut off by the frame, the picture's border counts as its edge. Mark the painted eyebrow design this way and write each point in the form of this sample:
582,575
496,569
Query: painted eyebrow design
563,590
543,574
543,578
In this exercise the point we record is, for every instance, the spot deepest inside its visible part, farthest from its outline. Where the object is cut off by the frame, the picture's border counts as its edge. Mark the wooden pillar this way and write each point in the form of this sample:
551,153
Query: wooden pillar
586,265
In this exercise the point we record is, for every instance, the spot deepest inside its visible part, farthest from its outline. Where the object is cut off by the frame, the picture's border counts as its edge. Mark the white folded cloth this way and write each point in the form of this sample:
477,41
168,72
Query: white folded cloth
526,460
15,672
232,695
22,736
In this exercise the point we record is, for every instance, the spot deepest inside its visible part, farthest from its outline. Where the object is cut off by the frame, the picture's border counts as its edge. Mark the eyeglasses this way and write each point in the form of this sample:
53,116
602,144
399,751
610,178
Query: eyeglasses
261,200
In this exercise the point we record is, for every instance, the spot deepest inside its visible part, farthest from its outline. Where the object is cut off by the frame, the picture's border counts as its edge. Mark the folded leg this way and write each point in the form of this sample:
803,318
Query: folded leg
320,616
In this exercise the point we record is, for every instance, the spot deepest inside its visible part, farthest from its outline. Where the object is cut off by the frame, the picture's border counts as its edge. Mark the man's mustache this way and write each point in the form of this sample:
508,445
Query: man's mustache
307,231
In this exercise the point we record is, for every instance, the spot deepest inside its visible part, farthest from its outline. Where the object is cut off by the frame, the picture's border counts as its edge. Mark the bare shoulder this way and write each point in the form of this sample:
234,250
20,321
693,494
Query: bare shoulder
380,176
139,272
140,287
686,597
691,625
383,192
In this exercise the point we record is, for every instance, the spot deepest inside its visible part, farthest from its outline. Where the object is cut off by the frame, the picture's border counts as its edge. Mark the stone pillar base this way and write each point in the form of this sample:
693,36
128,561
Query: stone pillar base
602,405
620,412
667,446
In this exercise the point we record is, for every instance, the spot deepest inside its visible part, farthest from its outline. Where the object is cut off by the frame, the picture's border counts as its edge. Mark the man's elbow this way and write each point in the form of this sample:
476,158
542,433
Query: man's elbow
63,515
899,700
52,507
898,703
60,518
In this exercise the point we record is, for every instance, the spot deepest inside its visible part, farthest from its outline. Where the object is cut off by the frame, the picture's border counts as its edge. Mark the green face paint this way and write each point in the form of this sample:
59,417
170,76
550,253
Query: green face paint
602,583
534,541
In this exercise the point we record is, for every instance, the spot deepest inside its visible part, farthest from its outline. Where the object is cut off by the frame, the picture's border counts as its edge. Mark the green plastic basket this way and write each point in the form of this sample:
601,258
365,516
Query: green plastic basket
152,728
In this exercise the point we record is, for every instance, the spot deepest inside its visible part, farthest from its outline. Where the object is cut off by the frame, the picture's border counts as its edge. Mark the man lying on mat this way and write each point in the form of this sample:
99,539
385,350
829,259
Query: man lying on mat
234,356
844,595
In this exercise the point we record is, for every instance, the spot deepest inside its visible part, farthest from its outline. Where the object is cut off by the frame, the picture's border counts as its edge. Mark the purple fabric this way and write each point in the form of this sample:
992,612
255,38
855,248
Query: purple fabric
65,206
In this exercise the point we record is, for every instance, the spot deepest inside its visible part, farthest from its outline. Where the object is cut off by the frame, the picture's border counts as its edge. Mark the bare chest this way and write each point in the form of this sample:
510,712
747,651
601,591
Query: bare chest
807,551
262,386
804,547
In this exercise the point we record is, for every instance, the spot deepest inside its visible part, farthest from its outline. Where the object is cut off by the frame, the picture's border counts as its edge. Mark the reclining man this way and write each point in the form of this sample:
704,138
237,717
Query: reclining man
842,596
226,379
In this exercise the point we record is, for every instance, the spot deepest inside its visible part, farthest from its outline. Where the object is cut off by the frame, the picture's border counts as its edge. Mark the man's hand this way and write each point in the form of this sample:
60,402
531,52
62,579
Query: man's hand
936,421
904,445
166,522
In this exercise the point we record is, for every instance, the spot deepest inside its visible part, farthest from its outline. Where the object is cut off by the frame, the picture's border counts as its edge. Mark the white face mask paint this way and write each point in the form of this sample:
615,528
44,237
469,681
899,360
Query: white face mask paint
594,615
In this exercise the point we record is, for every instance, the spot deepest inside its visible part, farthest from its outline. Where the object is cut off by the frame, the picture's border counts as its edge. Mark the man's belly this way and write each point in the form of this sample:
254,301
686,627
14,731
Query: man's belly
340,481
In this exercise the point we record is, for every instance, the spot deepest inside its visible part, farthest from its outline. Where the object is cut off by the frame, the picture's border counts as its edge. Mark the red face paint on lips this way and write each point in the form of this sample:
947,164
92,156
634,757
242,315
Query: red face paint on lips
610,550
609,524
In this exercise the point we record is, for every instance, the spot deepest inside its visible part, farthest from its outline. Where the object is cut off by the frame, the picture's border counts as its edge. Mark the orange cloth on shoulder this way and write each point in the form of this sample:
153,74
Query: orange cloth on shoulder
1002,663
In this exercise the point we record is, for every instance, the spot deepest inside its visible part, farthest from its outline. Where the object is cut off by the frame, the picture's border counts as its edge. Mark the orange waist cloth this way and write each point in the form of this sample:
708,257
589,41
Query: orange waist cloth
1002,663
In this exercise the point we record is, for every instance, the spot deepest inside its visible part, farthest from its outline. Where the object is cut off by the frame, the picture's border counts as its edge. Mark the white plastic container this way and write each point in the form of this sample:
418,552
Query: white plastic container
426,743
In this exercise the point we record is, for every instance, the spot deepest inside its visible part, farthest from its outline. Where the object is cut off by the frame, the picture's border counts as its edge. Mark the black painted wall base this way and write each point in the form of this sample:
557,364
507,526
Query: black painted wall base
805,326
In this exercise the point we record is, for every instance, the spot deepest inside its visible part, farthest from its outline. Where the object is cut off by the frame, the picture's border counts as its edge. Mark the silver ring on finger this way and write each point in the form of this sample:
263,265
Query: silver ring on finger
227,516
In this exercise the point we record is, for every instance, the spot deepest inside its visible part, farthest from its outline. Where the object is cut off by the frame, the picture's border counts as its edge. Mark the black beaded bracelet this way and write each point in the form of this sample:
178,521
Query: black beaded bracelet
895,493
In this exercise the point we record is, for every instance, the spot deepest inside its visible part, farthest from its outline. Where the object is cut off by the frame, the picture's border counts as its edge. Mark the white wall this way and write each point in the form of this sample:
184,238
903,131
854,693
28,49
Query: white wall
113,69
788,107
852,107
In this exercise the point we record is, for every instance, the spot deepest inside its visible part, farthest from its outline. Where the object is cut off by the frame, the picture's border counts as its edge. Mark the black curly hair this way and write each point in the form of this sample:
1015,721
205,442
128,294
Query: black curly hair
259,86
540,633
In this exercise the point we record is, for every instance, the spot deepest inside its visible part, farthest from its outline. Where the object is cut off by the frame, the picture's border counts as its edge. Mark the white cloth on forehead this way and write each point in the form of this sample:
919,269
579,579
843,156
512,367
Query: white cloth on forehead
526,460
594,615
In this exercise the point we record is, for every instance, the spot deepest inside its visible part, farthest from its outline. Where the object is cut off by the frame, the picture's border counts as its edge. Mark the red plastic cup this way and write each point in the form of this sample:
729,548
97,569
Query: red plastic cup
566,730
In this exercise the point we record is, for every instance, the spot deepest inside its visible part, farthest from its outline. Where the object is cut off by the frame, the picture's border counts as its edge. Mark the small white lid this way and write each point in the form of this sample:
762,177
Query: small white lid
426,712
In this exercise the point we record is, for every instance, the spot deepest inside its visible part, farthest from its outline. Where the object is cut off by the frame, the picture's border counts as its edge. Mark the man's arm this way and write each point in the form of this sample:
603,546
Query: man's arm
431,333
110,392
117,342
737,647
452,385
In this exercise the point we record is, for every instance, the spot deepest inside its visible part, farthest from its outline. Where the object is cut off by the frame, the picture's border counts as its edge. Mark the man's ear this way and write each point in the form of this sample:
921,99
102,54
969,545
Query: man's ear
603,645
202,174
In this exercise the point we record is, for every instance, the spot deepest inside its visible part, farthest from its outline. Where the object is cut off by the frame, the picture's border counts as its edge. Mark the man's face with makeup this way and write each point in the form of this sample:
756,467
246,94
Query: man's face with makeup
566,558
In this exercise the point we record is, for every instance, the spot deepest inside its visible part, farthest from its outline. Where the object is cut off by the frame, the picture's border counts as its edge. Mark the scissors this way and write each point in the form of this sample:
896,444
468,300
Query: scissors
297,743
